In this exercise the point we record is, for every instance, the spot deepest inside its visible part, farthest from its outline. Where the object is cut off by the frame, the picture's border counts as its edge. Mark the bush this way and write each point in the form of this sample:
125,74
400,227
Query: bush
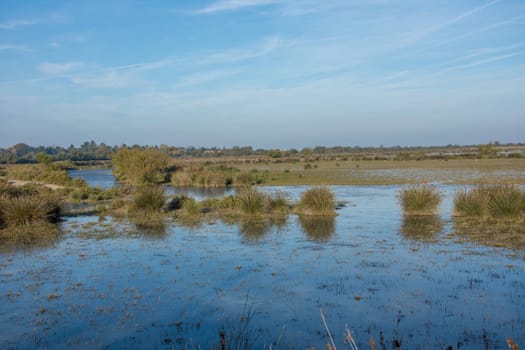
253,202
150,198
317,201
420,200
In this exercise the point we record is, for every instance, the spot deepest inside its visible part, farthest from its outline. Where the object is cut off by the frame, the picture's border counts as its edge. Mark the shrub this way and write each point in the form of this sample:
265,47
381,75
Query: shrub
420,200
140,166
317,201
252,202
150,198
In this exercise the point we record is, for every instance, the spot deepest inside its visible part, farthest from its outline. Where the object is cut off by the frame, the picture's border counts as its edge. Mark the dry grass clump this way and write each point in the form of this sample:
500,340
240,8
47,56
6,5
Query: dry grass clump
27,210
27,216
41,173
470,202
421,199
279,203
253,202
506,201
497,201
317,201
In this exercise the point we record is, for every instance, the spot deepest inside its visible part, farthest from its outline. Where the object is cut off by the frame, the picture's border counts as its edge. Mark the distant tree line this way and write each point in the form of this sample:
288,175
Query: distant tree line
93,151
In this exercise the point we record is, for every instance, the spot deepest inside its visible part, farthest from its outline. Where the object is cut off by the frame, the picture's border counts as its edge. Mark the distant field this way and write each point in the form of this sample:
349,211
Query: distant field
465,171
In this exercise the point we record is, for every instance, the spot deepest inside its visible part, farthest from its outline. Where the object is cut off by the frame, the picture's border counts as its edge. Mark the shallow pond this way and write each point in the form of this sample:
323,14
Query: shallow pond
409,283
102,178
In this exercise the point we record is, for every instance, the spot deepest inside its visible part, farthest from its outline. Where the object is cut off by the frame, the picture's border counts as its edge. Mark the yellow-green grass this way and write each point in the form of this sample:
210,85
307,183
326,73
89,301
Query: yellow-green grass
419,199
253,202
494,200
317,201
373,172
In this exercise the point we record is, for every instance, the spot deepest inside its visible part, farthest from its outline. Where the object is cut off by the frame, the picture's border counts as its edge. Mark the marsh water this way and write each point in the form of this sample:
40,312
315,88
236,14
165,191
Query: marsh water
420,283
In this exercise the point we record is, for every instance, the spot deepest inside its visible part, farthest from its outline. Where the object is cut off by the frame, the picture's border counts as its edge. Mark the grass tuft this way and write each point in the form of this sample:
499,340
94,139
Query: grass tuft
420,199
317,201
28,210
497,201
471,203
506,201
252,202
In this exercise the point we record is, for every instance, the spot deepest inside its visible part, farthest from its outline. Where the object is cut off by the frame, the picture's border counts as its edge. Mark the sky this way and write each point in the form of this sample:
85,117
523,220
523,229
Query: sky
263,73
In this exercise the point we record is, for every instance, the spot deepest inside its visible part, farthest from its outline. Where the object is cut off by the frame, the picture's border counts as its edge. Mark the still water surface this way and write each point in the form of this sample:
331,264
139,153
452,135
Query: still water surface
417,284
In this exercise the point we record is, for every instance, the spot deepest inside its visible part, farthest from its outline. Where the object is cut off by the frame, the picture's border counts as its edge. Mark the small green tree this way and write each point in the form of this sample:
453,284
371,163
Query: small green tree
44,159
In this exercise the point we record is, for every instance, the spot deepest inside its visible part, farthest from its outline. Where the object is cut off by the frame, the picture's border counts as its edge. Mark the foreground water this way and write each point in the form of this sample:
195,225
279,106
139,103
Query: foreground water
414,284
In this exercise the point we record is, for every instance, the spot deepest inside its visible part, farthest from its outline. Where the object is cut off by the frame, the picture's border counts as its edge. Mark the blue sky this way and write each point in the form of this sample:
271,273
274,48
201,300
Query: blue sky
265,73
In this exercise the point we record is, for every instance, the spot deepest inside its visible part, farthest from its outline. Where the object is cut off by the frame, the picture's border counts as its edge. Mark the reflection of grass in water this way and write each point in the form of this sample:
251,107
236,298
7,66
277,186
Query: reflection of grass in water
155,228
41,235
253,228
318,228
421,228
506,233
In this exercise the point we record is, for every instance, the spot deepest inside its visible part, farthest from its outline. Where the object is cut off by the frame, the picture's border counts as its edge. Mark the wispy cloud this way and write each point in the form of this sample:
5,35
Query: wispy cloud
204,77
15,23
422,33
232,5
480,62
14,48
263,48
60,68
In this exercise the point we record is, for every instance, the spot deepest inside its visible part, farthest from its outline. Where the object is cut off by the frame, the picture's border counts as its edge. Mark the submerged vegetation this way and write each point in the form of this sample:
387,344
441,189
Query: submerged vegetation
421,199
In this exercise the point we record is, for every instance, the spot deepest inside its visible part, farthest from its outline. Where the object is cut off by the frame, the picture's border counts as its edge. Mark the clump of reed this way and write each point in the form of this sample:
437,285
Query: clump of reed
28,216
317,201
506,201
473,202
253,202
27,210
497,201
279,203
420,199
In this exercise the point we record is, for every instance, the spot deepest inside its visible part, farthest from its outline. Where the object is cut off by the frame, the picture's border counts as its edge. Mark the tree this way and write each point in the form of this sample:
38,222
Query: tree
44,159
